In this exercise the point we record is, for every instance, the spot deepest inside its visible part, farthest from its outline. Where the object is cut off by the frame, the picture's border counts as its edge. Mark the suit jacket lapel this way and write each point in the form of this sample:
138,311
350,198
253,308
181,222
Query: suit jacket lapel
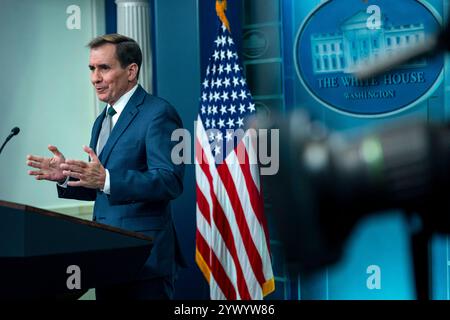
96,130
126,117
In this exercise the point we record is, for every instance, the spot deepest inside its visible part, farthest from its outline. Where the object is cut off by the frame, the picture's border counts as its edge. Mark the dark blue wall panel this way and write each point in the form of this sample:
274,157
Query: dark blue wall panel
111,16
176,48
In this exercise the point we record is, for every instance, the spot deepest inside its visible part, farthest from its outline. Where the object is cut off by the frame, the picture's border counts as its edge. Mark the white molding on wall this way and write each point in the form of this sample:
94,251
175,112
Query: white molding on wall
133,20
98,21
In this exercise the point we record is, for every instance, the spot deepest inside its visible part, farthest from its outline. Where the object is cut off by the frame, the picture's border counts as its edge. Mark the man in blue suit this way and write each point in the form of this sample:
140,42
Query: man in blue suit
133,178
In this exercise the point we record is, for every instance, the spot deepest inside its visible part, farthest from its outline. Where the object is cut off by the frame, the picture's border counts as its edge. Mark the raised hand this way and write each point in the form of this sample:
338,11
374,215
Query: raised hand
49,168
89,174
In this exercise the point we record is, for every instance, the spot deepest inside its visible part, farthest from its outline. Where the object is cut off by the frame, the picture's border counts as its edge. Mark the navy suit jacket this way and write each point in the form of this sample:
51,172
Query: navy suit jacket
143,178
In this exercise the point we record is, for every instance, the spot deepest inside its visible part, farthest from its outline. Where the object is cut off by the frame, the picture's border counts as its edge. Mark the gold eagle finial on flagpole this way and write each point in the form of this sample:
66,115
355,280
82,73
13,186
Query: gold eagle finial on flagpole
221,7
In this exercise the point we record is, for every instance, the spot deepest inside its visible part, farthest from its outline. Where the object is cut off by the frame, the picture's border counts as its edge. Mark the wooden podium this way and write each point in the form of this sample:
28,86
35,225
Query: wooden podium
37,247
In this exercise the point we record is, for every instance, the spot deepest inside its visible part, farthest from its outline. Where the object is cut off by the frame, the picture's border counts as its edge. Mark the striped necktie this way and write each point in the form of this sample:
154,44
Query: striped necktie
106,129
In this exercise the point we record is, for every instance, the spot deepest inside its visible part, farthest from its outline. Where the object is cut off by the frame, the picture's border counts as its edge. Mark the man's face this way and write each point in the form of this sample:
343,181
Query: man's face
110,80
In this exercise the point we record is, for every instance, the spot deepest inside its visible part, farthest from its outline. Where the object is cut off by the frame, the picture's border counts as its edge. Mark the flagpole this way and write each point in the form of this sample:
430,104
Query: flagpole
221,7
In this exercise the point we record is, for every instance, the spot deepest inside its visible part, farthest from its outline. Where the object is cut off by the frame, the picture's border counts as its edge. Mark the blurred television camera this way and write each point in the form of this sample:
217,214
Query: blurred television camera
330,181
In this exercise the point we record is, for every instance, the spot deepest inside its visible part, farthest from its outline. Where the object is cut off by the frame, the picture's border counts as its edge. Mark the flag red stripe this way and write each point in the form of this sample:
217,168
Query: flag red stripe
251,187
219,274
203,248
223,226
250,248
203,205
255,196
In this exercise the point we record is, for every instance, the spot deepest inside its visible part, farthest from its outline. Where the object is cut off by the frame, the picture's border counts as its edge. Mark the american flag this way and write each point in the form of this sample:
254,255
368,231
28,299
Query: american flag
232,241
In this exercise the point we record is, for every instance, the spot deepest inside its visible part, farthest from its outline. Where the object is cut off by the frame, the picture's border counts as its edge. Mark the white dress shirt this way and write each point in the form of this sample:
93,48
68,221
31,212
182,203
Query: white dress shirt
118,106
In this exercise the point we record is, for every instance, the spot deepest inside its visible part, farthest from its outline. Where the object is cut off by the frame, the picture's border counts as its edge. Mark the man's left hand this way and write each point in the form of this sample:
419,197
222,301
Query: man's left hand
90,174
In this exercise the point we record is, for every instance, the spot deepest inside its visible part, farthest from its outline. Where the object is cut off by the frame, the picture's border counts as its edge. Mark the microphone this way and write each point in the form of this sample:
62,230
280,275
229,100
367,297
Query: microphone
14,131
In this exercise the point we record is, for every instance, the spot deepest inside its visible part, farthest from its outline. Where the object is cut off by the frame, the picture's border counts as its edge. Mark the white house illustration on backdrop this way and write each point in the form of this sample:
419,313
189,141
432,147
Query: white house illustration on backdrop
356,44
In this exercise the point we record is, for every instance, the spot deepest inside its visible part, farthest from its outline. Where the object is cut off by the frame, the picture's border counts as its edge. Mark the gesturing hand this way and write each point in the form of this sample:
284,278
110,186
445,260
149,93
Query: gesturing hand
90,174
49,168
